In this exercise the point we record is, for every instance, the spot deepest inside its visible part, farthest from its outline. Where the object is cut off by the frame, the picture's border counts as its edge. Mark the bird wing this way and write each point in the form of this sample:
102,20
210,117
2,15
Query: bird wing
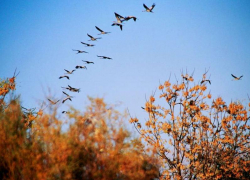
152,7
66,70
134,18
90,36
120,26
51,101
146,7
234,76
240,76
118,15
65,93
99,29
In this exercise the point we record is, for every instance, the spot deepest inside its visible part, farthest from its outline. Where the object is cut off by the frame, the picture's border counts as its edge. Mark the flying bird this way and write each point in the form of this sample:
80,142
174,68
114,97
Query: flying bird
72,89
81,67
89,45
117,24
64,76
92,38
53,102
130,17
205,81
149,9
102,32
88,62
67,98
104,57
66,112
79,51
119,18
69,72
236,78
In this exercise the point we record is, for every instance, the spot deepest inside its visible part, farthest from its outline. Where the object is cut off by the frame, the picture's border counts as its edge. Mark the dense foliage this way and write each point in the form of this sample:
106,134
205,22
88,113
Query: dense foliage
197,137
96,145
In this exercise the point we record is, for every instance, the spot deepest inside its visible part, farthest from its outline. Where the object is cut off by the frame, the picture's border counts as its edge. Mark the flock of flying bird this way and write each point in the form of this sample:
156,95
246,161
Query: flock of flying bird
119,20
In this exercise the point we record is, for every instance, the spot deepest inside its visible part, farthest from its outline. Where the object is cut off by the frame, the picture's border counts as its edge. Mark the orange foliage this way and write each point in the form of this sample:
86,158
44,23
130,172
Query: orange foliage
96,145
195,139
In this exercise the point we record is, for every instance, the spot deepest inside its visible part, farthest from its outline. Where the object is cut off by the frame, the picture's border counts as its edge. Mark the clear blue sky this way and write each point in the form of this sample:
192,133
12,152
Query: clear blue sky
37,38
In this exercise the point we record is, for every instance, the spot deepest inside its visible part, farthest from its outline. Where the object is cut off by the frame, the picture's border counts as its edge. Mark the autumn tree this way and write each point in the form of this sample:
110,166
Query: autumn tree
89,144
97,145
18,154
197,137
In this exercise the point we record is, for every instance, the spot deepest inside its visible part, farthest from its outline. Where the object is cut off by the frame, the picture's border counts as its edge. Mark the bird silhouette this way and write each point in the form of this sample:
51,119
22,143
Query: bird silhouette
88,62
149,9
72,89
69,72
53,102
92,38
67,98
102,32
64,76
104,57
237,78
88,45
79,51
81,67
205,81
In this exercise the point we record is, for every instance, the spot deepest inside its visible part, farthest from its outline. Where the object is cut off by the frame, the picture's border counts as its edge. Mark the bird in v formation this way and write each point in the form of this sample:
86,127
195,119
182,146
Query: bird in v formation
104,57
88,62
88,45
148,9
93,38
69,72
53,102
120,19
79,51
64,76
81,67
67,98
102,32
237,78
72,89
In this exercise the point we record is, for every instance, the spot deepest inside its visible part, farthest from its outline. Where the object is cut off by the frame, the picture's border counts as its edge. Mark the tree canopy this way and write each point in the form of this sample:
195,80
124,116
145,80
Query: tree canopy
97,144
197,137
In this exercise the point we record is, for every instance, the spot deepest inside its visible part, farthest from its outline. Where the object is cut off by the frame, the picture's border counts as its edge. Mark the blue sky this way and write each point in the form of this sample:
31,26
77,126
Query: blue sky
37,38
